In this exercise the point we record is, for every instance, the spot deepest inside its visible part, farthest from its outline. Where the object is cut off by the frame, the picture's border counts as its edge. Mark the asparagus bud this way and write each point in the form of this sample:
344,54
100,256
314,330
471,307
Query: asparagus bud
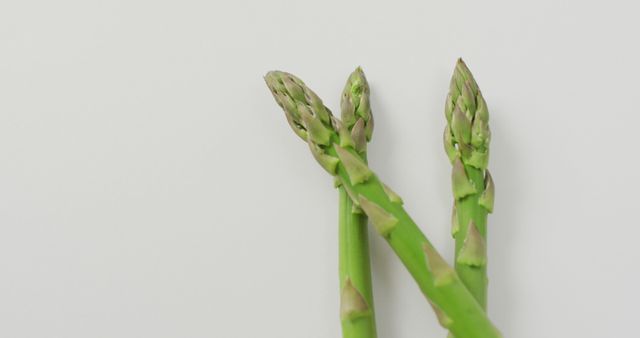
466,142
355,267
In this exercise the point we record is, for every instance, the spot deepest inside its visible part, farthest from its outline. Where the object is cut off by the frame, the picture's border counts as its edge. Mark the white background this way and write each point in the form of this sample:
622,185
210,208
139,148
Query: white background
150,186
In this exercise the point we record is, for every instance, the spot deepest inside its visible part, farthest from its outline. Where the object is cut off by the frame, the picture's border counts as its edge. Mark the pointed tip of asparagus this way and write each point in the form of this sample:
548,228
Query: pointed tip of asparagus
358,72
277,76
271,79
462,67
462,77
305,112
355,103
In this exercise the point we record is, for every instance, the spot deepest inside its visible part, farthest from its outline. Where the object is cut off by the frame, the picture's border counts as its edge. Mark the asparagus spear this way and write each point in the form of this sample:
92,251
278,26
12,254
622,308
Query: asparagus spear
355,267
466,141
334,149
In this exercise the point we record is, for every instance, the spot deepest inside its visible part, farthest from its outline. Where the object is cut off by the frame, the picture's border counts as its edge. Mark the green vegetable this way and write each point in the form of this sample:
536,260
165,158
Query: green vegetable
466,141
356,296
334,149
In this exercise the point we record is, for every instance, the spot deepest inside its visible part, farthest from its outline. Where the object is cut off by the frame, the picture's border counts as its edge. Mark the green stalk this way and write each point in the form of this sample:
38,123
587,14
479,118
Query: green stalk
335,150
354,262
356,296
467,137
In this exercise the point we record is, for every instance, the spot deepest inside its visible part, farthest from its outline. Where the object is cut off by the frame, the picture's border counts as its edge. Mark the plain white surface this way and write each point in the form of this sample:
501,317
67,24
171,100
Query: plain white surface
150,186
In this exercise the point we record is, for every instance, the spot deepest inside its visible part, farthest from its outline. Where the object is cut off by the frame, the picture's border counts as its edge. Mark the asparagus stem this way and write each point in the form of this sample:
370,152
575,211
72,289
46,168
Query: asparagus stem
356,303
466,139
462,315
333,148
471,217
357,310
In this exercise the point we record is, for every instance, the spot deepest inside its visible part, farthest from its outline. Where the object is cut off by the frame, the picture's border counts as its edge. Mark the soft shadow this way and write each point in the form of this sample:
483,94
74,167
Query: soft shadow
503,224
